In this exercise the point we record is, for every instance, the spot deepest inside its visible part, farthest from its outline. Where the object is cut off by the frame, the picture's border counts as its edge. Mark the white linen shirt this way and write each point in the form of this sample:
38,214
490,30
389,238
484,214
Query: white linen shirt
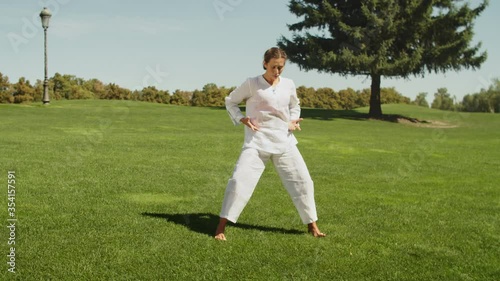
270,109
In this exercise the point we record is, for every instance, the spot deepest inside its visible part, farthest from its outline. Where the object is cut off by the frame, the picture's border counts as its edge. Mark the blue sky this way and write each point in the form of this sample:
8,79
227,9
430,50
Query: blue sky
185,44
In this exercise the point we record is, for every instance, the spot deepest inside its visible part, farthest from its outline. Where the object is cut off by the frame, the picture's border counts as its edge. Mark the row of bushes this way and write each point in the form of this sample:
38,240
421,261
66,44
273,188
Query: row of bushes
71,87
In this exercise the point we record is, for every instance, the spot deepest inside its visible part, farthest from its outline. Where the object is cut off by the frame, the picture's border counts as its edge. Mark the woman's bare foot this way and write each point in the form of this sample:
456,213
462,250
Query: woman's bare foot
314,230
220,237
219,233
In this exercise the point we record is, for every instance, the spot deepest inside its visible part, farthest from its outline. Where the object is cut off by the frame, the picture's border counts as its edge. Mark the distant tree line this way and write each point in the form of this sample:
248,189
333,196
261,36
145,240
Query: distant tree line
71,87
486,100
345,99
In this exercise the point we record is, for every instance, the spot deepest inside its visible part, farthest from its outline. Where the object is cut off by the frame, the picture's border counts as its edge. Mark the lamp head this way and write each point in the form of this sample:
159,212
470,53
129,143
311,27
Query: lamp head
45,15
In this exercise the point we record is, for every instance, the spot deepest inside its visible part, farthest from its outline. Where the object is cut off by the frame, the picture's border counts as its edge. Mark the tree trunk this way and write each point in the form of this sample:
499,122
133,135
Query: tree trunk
375,106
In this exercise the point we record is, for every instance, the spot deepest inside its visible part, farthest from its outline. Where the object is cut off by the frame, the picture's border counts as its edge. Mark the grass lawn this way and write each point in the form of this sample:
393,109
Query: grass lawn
109,190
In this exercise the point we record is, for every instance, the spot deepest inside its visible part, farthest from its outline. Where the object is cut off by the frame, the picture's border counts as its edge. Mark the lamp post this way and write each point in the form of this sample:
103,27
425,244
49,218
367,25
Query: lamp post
45,15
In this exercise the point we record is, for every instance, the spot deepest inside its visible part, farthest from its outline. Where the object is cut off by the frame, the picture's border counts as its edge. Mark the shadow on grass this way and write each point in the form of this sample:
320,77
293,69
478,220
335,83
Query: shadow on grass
320,114
206,223
330,114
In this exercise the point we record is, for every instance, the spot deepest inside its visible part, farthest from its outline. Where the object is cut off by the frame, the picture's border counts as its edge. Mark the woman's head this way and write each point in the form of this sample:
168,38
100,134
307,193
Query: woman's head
274,61
273,53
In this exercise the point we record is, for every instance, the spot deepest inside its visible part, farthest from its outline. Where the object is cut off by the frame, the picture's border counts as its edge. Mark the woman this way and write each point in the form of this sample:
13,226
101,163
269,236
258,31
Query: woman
273,112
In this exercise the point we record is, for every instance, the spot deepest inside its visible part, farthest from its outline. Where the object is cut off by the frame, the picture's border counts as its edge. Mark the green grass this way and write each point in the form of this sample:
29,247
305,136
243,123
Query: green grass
110,190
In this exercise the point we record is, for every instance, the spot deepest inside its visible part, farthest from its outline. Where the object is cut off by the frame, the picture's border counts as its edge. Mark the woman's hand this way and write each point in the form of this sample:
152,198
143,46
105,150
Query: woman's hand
294,125
249,124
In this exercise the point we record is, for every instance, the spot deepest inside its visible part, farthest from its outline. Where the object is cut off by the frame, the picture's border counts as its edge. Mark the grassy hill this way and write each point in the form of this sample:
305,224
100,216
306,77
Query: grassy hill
110,190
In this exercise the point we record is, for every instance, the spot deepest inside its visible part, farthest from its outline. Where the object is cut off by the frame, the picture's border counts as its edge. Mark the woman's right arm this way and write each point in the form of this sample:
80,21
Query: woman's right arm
234,99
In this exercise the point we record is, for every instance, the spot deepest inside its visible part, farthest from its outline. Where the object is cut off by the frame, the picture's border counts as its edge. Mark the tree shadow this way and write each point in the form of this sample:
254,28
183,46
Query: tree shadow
319,113
206,223
332,114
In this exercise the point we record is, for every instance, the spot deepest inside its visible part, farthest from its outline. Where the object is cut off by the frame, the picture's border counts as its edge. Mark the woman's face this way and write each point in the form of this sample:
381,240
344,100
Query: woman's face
274,67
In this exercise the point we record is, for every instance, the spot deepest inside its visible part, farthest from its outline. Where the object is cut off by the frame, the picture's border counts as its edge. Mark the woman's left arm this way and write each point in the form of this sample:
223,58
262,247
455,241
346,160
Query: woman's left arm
294,106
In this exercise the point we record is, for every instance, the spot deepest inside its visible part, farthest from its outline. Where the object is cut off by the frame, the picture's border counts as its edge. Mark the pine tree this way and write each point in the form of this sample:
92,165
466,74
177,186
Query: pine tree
383,38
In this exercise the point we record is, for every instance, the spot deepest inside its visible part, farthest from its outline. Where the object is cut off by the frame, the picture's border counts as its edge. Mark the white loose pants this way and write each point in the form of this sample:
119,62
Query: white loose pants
293,173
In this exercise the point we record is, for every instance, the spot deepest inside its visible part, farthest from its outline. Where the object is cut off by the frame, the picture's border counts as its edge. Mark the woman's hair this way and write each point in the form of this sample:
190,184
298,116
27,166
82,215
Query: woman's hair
274,53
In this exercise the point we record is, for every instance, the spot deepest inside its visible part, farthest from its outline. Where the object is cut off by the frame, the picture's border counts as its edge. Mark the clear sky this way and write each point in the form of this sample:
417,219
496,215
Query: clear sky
185,44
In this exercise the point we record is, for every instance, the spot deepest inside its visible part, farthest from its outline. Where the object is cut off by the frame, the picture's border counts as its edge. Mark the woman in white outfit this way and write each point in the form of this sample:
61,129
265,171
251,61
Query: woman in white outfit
272,114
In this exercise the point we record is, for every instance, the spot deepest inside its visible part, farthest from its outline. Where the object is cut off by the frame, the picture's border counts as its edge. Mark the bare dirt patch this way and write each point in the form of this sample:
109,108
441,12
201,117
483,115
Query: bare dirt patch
427,123
416,122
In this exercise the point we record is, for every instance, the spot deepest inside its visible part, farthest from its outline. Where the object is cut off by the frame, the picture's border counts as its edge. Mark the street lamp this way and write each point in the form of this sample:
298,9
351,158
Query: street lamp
45,15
